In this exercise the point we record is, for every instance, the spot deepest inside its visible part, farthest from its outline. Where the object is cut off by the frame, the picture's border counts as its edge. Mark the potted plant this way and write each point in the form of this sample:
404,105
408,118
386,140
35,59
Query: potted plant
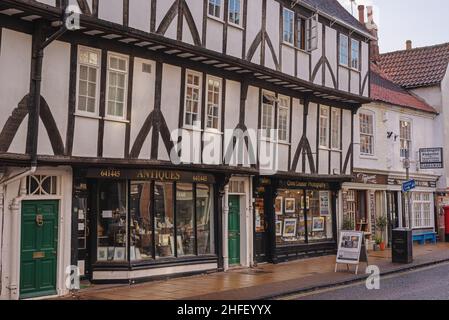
348,224
377,242
381,224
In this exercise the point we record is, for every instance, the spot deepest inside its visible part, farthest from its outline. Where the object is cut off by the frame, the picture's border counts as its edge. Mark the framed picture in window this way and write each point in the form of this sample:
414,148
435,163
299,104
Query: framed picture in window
119,254
278,228
290,228
290,205
324,204
102,254
278,206
318,224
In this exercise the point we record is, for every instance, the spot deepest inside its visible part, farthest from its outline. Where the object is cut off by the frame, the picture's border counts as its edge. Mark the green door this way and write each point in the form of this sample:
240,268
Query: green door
39,243
234,230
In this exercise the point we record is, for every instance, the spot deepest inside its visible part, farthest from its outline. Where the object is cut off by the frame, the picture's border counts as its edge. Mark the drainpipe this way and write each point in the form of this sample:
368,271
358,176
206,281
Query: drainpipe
226,228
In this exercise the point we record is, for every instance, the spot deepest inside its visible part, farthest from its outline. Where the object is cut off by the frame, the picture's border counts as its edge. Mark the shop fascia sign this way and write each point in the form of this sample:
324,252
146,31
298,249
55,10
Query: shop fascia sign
431,158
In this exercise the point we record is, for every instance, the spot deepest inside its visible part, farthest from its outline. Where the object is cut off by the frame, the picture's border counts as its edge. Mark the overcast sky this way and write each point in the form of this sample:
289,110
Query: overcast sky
425,22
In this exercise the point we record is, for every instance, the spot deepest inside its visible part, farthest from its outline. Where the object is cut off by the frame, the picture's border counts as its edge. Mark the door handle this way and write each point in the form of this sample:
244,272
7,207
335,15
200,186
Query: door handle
39,220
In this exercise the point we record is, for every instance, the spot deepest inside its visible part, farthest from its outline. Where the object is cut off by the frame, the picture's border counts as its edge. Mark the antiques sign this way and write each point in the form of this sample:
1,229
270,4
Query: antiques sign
431,158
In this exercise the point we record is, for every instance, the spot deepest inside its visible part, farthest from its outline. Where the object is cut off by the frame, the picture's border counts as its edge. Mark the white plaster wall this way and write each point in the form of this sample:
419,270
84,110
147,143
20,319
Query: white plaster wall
331,55
288,60
75,3
214,37
114,139
343,78
235,40
85,137
317,54
111,10
139,13
297,128
273,32
196,8
365,67
355,82
347,119
311,134
303,65
253,25
15,68
161,10
48,2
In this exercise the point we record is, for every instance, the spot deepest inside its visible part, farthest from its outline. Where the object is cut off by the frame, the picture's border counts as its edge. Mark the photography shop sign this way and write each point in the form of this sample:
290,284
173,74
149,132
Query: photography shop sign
431,158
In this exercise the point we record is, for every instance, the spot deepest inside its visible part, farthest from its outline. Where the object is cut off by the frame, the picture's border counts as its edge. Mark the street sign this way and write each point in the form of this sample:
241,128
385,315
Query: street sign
408,186
431,158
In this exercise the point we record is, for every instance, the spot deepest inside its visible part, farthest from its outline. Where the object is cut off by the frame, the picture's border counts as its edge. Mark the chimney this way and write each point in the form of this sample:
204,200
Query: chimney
408,45
362,14
372,28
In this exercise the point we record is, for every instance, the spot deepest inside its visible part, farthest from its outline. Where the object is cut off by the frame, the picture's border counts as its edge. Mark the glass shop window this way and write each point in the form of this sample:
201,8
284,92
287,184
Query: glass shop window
164,219
112,222
204,219
141,226
290,219
319,216
185,213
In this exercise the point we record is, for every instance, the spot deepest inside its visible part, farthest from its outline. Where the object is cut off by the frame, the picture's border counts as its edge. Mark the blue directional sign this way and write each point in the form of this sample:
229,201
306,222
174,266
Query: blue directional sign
408,186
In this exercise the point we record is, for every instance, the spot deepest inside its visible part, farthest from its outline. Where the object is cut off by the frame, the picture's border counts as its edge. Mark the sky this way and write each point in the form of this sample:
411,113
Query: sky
425,22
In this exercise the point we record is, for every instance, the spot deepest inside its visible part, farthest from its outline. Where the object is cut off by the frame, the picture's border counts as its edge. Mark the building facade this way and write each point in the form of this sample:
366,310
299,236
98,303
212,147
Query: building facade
171,137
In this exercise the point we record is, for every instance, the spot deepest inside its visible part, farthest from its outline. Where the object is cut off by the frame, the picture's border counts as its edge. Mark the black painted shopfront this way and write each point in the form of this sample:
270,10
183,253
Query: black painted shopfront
294,219
129,220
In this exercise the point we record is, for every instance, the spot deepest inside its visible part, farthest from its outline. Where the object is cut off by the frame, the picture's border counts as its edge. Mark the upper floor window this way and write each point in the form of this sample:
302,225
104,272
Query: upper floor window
268,104
366,134
235,12
192,99
88,79
355,54
405,128
117,85
324,126
344,50
215,8
289,19
301,33
213,102
283,119
335,128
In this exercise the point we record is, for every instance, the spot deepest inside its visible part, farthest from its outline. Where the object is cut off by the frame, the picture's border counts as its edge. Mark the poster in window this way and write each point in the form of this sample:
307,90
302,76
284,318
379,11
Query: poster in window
119,254
290,227
290,205
278,206
324,204
278,228
318,224
102,254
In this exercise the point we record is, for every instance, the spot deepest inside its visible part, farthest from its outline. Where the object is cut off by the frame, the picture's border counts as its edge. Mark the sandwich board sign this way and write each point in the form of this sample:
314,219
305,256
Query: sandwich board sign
351,249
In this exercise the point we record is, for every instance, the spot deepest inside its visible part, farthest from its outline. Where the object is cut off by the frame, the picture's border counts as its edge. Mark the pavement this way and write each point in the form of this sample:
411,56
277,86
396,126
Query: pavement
267,281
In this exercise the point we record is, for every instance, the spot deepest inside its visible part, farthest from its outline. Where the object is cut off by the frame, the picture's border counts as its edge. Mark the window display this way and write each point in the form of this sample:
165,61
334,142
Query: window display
319,218
185,228
164,219
204,219
290,225
112,222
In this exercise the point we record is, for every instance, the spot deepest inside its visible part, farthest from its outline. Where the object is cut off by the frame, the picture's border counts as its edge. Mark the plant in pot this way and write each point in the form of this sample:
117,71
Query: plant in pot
348,224
381,224
377,242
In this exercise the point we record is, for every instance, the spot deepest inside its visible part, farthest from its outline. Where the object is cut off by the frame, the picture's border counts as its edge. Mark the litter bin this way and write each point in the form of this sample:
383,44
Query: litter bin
402,246
446,224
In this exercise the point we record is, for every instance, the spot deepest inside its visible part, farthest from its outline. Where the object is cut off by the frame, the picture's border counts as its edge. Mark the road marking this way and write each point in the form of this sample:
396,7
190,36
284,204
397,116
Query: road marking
358,283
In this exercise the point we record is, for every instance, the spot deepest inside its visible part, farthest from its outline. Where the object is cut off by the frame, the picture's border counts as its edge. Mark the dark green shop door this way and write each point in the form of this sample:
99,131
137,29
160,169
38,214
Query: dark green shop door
234,230
39,243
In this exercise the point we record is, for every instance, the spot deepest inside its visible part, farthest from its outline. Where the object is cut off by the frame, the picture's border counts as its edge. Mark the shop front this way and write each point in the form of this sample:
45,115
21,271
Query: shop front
139,224
294,219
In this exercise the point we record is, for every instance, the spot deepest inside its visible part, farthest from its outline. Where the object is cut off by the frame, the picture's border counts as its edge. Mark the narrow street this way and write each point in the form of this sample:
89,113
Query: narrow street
430,283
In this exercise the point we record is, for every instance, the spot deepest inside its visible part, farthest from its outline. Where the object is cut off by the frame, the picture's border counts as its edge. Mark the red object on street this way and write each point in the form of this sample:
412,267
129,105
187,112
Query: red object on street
446,220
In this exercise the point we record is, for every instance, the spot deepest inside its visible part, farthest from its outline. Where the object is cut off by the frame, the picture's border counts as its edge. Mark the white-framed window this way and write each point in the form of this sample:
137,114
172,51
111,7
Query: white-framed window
422,210
41,185
235,12
289,26
355,54
405,133
268,105
215,8
324,126
283,119
366,133
117,80
192,99
89,65
213,103
343,50
335,128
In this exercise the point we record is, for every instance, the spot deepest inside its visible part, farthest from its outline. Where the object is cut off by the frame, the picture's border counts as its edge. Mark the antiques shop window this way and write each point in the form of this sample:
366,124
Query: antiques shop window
235,12
319,216
290,217
117,86
185,224
366,134
88,79
112,220
213,103
164,219
192,99
289,19
205,219
344,50
215,8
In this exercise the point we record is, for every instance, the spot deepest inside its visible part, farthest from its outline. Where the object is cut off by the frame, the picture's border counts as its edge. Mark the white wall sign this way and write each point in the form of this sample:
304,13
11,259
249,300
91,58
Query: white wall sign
431,158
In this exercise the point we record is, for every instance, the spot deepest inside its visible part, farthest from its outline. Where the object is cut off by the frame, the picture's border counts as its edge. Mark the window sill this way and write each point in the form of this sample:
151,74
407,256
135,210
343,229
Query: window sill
116,120
289,45
213,131
87,116
214,18
191,128
368,157
236,26
349,68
